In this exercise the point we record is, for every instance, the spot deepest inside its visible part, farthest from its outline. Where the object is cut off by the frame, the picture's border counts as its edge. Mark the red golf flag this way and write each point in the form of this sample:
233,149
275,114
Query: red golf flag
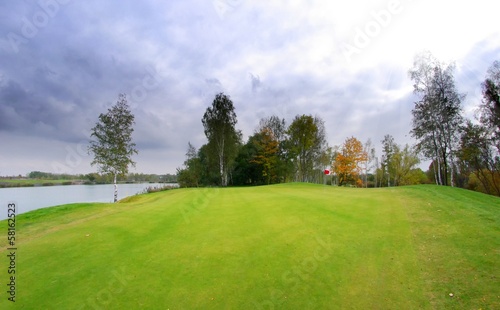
327,172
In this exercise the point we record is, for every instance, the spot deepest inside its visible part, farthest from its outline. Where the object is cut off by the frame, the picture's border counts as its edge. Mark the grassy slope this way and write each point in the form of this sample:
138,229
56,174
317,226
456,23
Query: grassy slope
285,246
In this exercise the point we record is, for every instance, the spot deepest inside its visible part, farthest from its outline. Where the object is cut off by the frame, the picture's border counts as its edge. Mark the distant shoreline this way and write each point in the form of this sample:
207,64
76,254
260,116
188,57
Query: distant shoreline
12,183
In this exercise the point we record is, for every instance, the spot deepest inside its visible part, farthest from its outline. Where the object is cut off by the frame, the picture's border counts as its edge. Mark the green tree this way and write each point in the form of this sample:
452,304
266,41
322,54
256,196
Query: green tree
479,155
490,108
190,175
247,171
111,141
306,142
403,164
479,162
219,122
210,174
437,116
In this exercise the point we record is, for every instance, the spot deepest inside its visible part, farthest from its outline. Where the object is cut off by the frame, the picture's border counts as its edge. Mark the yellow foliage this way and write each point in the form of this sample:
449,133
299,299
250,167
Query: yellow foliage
347,164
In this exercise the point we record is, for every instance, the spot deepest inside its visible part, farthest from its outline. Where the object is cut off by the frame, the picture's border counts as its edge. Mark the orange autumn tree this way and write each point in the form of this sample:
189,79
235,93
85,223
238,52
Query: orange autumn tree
348,162
267,153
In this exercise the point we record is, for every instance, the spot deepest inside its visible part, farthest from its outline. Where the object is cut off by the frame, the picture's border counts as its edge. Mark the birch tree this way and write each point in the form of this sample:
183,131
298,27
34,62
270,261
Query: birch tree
369,150
219,122
490,107
389,148
111,141
437,116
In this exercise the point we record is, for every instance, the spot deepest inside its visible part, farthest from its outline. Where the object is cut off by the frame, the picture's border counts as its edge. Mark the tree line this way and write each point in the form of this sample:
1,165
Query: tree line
96,178
463,152
278,152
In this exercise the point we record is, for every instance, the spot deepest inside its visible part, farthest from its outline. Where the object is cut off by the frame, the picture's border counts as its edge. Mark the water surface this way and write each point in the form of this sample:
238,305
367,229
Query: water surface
32,198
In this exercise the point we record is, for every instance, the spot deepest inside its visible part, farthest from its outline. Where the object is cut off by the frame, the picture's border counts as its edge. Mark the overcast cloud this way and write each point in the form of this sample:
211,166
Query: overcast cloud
63,62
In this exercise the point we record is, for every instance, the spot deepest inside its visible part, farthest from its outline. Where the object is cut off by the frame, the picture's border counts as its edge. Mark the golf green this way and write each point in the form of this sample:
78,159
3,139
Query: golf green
289,246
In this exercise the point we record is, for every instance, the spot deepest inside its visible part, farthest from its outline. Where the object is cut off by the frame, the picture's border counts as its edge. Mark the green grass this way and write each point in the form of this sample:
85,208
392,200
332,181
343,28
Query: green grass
293,246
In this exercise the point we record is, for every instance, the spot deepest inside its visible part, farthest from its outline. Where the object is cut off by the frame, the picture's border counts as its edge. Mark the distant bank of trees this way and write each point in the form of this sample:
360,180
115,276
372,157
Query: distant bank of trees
463,153
131,178
51,176
104,178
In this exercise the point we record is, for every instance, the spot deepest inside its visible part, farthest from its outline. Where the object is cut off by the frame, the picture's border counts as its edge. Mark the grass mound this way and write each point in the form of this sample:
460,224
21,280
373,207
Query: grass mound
285,246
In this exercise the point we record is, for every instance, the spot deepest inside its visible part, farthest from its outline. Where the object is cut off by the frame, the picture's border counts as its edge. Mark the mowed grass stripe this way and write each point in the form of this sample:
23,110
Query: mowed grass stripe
458,238
284,246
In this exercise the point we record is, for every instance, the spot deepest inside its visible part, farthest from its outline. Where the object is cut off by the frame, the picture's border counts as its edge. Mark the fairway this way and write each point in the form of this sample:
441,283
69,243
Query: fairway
288,246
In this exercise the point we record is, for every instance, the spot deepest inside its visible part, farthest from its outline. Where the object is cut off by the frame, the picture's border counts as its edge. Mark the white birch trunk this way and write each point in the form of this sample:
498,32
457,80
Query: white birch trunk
222,169
452,179
116,189
439,171
435,173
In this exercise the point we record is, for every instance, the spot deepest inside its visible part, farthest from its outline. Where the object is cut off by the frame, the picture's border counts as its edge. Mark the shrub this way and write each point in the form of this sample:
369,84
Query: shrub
154,189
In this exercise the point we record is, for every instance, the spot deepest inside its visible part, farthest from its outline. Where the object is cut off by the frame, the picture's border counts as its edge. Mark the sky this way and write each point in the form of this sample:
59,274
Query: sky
63,62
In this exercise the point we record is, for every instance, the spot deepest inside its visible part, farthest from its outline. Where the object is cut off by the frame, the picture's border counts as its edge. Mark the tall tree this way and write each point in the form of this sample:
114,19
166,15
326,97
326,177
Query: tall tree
336,149
403,163
219,122
246,170
480,143
190,175
210,174
490,108
437,116
370,156
349,161
389,148
399,164
480,157
111,142
267,153
307,140
278,127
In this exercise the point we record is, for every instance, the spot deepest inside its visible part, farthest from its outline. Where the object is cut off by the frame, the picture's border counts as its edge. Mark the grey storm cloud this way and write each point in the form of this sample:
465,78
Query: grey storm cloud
63,62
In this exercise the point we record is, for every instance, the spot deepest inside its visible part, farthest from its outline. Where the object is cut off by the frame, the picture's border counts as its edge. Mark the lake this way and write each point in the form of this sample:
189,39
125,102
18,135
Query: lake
32,198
